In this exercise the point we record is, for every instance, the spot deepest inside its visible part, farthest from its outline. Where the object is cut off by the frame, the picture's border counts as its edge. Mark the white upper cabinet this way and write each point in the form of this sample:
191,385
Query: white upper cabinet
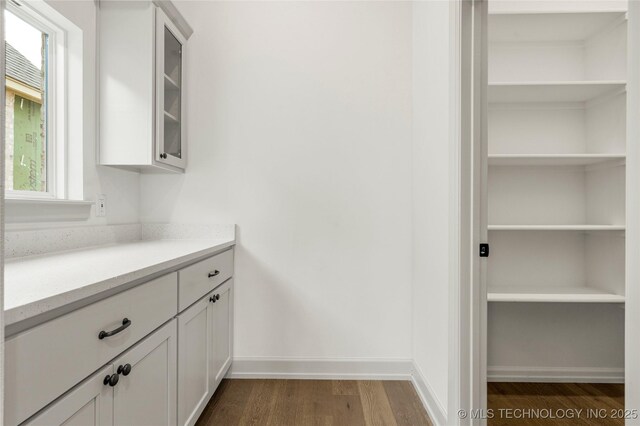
141,71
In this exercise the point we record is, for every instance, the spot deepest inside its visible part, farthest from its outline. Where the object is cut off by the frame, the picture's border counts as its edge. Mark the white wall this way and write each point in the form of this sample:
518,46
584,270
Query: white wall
121,187
299,122
430,210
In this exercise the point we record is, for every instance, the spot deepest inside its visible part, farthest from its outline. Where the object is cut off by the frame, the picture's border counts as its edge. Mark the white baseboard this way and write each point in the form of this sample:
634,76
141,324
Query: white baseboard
437,413
307,368
555,374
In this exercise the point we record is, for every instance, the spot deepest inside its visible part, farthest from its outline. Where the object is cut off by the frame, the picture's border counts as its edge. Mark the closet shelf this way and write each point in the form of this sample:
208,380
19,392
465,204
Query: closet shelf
547,27
552,159
553,294
171,118
552,91
170,83
556,227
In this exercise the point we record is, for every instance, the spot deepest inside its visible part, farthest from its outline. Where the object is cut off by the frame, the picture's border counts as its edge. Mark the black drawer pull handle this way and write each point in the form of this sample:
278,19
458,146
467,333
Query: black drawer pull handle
111,380
214,273
125,323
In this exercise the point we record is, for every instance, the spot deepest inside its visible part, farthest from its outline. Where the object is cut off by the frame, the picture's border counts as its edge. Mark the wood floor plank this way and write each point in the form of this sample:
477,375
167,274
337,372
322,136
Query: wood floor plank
406,406
261,403
312,403
555,396
283,413
345,387
346,410
228,403
312,408
375,405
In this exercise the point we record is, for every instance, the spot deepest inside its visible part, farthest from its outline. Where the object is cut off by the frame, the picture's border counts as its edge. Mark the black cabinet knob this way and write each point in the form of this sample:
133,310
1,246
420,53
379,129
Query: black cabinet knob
217,297
111,380
124,369
163,155
212,299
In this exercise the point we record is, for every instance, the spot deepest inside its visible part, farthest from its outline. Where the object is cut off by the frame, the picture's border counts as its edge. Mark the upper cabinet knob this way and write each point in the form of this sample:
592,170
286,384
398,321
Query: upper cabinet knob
217,297
163,155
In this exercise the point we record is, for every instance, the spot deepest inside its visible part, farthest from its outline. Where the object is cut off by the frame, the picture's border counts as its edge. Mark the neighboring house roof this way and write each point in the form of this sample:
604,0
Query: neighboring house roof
21,69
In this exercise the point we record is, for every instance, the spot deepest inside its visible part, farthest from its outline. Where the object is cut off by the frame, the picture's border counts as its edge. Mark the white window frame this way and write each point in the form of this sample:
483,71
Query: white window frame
64,200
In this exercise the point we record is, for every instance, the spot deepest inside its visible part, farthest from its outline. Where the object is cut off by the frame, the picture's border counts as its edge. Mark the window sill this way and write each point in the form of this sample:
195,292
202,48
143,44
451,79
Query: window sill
26,211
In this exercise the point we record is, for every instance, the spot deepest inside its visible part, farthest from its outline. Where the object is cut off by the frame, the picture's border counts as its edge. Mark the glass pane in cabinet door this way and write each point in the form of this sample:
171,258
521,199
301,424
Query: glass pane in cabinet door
172,98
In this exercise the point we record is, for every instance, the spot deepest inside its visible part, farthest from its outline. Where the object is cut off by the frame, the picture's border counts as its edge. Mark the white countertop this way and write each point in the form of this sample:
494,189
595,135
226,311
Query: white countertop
38,284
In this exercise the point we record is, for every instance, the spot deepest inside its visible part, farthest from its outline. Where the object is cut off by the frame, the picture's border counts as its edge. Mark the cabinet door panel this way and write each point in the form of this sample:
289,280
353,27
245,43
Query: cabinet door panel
90,404
194,351
147,395
222,332
170,130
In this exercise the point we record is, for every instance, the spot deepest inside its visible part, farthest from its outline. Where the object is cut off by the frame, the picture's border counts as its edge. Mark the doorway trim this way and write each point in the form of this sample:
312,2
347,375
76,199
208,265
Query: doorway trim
468,227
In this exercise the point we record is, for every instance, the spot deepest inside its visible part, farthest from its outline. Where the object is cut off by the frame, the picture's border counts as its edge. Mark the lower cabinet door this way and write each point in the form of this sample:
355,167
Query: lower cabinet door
222,348
146,390
90,404
194,352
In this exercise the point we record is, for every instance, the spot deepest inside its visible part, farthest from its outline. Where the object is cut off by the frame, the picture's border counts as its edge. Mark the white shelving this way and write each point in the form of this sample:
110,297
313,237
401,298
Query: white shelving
551,294
550,27
552,91
552,159
579,228
556,197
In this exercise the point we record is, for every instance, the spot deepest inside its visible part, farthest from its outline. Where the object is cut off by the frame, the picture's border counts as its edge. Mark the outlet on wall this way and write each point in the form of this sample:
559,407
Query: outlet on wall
101,205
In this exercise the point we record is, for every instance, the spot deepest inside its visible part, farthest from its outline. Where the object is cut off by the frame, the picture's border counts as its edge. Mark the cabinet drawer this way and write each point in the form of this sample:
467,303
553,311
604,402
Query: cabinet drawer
202,277
44,362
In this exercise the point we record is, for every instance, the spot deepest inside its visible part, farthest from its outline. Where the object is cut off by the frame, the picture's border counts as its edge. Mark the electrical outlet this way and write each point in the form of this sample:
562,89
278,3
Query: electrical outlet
101,206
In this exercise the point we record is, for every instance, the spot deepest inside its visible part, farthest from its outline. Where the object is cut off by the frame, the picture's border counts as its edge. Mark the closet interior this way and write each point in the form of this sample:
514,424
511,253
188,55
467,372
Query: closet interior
556,193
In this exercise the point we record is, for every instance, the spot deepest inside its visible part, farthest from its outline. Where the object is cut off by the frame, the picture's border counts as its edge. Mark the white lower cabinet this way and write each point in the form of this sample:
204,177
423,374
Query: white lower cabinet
146,390
222,333
165,378
194,351
204,350
46,361
139,388
90,404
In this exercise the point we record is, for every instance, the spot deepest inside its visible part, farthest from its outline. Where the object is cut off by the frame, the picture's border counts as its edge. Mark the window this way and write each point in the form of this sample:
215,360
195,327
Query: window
27,59
40,59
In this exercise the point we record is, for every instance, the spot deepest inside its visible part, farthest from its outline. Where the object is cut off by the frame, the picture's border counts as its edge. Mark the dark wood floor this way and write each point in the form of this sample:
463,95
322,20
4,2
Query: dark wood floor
339,402
604,400
314,402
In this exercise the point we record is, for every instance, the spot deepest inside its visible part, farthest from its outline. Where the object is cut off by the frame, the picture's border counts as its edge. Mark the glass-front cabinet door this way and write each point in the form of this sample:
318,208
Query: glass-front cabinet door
170,130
